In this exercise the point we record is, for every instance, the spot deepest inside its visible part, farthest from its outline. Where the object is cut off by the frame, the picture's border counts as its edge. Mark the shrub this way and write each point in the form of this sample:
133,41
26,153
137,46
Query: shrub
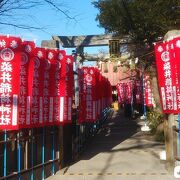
156,124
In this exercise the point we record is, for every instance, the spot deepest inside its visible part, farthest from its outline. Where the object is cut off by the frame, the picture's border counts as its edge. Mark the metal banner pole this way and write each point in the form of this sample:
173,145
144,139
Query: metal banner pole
144,99
32,155
53,155
5,153
78,137
43,152
19,155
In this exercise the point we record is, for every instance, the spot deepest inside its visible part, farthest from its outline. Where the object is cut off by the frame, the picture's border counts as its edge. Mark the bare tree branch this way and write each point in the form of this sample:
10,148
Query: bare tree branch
59,9
21,26
9,11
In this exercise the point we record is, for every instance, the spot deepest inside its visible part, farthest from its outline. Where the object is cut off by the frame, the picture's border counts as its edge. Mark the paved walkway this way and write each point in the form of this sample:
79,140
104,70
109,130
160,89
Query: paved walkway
120,151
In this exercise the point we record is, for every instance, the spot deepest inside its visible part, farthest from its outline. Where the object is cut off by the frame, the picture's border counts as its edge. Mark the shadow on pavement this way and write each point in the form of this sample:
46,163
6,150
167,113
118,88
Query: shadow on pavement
113,132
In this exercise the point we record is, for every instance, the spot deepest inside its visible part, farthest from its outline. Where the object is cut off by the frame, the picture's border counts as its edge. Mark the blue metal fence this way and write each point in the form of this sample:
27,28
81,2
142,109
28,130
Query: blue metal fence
20,153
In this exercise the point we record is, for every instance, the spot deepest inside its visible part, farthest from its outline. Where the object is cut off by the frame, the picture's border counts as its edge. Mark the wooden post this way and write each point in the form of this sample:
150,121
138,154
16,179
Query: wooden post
170,134
169,142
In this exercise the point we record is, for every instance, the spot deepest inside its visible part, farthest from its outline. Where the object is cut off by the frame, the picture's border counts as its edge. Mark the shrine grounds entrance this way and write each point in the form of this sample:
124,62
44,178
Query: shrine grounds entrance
107,145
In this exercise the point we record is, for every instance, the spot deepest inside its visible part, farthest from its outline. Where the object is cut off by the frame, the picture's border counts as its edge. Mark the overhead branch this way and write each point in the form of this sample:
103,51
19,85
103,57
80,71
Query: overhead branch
60,10
21,26
9,10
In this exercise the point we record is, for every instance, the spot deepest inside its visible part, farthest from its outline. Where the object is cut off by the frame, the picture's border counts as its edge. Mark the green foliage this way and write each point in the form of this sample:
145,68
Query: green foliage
144,20
156,124
154,119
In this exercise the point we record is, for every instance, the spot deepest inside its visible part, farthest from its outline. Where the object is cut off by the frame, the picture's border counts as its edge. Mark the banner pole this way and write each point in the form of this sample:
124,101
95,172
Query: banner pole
32,155
144,99
78,137
5,153
19,155
53,165
43,152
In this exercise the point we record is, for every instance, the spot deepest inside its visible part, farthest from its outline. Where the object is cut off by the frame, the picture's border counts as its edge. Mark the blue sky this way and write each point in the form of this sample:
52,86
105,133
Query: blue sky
56,23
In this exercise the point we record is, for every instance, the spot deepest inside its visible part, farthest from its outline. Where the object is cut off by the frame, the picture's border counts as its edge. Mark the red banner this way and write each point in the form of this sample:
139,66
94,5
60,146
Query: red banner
175,50
60,87
148,91
57,88
99,109
97,92
66,92
121,93
70,86
138,92
94,95
50,86
89,93
167,73
93,84
36,87
24,99
10,63
128,92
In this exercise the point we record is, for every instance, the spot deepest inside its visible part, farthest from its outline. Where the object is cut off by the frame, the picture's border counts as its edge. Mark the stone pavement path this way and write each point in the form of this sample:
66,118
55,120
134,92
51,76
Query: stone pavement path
119,151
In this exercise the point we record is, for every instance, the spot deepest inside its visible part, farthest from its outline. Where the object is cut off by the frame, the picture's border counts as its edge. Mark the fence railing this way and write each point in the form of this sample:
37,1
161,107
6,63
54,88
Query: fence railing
23,153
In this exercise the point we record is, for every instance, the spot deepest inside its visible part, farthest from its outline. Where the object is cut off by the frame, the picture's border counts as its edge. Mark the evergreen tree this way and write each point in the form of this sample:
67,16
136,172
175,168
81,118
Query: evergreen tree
144,20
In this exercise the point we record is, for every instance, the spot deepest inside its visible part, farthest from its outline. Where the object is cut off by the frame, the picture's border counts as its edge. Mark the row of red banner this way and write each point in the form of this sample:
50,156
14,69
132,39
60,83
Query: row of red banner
132,92
36,85
125,92
95,94
168,68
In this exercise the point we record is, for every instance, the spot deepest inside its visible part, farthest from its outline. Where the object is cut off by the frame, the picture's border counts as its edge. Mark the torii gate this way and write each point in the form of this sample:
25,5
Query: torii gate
79,42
